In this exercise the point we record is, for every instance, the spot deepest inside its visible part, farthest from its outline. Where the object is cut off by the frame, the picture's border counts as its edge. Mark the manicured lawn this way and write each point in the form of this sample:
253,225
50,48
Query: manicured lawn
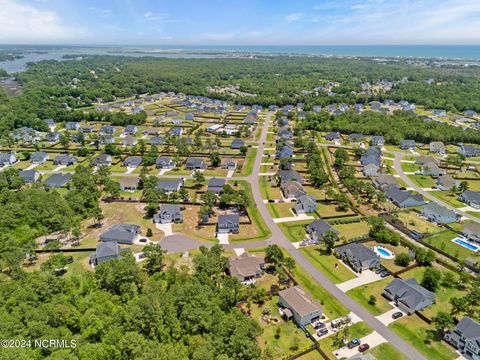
280,210
447,197
423,181
295,230
362,294
330,210
312,355
335,270
474,185
389,263
409,167
357,330
332,308
318,193
474,213
247,166
443,242
268,190
353,230
386,351
417,332
414,221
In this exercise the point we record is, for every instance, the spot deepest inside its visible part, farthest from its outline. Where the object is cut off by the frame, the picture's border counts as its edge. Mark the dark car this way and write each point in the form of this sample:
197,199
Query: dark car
363,347
397,315
322,332
353,343
384,274
143,240
319,325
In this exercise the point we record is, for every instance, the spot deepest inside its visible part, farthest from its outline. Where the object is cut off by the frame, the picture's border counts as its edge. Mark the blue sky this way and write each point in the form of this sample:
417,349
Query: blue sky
236,22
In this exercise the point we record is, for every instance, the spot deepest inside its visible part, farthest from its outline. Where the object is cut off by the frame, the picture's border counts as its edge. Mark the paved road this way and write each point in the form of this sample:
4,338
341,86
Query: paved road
279,238
397,164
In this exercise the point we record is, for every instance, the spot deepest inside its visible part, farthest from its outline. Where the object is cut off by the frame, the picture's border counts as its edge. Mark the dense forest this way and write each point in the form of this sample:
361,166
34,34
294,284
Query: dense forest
51,87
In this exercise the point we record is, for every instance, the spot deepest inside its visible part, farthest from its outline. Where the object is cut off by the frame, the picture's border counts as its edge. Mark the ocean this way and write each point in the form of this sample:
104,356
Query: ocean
453,52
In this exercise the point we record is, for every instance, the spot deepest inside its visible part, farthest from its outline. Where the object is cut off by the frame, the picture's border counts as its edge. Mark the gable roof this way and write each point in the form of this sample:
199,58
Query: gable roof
438,209
470,329
233,219
120,232
357,251
471,196
245,265
409,292
320,227
400,196
58,180
106,249
300,301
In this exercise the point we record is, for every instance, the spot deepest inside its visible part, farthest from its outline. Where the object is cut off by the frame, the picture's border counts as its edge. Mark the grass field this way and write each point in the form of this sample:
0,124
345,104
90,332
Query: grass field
414,221
295,230
330,210
268,191
443,242
280,210
387,351
335,270
352,230
423,181
362,294
447,197
409,167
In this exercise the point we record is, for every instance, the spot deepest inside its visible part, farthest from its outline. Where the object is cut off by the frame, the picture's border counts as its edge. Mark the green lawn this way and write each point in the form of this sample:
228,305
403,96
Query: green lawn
413,221
268,191
357,330
362,294
449,198
443,242
409,167
330,210
423,181
295,230
280,210
386,351
418,333
329,265
247,166
353,230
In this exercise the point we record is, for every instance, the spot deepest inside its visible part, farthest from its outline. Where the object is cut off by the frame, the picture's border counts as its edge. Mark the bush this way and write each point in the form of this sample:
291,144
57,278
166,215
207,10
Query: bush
403,259
149,232
372,300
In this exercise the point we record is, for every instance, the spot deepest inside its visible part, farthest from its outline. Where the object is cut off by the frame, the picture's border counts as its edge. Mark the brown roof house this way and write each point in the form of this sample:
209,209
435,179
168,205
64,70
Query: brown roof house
246,267
472,232
446,182
300,305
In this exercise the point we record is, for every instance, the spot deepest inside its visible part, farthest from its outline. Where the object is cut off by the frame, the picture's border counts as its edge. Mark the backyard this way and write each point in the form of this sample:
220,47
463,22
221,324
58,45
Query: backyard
362,295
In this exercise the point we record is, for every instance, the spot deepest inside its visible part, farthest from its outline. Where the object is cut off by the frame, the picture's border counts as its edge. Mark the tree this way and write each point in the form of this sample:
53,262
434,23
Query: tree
112,188
403,259
199,179
442,321
121,277
154,255
274,255
330,238
289,263
424,256
431,279
215,159
149,232
372,300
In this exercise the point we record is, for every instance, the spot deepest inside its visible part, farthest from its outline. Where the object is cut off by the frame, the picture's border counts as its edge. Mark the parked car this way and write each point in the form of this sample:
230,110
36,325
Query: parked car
363,347
322,332
271,200
397,315
384,274
143,240
142,255
319,325
353,343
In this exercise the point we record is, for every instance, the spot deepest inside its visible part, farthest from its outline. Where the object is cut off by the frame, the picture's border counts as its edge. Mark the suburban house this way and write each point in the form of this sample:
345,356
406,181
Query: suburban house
471,198
356,138
50,123
107,139
175,131
439,112
58,180
169,185
164,162
422,160
131,129
129,183
129,140
189,116
29,176
285,133
53,137
470,113
39,157
102,160
378,141
121,233
156,140
371,170
105,252
408,295
472,231
465,338
362,356
237,143
65,160
300,305
407,145
230,164
168,213
72,125
8,158
289,175
133,161
431,169
438,214
318,227
332,136
383,182
107,129
246,267
216,185
446,182
292,189
358,256
403,198
469,150
306,204
228,224
437,147
194,163
284,151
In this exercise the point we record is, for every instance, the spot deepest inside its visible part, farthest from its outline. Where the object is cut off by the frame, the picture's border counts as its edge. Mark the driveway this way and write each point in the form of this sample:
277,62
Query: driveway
366,277
373,339
299,217
386,317
166,228
222,238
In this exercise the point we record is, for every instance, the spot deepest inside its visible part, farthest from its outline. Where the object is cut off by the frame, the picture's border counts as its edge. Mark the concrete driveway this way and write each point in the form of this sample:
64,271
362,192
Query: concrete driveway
299,217
166,228
373,339
366,277
222,238
386,317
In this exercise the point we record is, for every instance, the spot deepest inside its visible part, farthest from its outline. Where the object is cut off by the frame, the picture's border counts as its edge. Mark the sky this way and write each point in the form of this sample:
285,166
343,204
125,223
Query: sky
239,22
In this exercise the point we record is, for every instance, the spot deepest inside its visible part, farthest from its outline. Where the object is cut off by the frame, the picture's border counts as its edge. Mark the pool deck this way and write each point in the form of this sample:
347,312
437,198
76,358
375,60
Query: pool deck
467,244
383,252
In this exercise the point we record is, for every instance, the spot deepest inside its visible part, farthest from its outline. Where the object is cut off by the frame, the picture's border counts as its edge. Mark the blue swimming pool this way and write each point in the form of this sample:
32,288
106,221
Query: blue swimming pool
383,251
466,244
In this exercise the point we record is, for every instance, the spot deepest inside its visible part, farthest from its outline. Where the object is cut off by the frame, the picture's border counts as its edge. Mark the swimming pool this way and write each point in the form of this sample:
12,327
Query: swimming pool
383,252
466,244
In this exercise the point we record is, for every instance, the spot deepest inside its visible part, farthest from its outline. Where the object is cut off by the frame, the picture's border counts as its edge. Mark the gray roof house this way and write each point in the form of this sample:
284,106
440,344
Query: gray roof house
175,131
437,147
300,304
156,140
228,224
318,227
107,139
72,125
164,162
8,158
39,157
285,133
194,163
102,160
131,129
58,180
355,138
168,213
371,170
121,233
465,338
216,185
246,267
292,189
107,129
29,176
471,198
408,295
431,169
53,137
237,143
469,150
407,145
446,182
422,160
65,160
362,356
331,136
439,214
305,204
105,252
378,141
358,256
403,198
472,232
284,151
289,175
129,140
170,185
129,183
383,182
133,161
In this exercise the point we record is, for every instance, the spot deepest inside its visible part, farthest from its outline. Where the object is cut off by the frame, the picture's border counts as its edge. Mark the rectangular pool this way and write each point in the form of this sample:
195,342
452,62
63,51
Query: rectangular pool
466,244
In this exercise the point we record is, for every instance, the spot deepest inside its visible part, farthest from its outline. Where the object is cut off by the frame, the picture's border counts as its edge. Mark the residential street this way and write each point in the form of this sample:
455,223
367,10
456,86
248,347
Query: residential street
279,238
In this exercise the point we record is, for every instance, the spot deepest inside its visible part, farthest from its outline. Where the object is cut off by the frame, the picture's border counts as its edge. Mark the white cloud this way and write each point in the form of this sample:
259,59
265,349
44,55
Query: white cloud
22,23
293,17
